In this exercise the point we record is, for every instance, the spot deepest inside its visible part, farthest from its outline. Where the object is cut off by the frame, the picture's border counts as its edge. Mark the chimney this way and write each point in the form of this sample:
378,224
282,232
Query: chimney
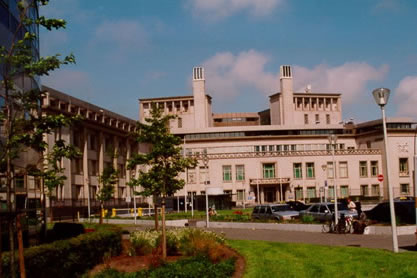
286,94
199,83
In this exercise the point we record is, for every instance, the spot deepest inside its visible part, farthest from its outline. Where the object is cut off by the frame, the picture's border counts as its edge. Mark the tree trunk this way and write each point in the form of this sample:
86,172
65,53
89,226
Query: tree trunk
20,246
12,248
101,213
156,217
164,237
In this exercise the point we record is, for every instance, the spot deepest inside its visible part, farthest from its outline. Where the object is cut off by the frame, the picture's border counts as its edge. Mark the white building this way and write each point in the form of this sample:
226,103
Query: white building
284,152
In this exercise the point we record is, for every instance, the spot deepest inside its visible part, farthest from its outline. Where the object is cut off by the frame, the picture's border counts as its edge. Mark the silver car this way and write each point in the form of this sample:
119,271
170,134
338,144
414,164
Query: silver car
325,211
274,211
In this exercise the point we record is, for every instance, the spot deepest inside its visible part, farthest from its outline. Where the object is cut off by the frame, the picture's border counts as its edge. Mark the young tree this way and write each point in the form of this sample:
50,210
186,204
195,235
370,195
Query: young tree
107,182
22,121
164,161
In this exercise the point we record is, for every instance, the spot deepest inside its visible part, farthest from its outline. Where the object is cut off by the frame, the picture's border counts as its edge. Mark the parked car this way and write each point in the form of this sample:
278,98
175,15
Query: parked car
325,211
297,205
274,211
405,212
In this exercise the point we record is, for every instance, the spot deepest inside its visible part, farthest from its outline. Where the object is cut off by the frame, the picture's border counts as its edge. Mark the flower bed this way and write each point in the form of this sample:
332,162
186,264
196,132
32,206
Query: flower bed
196,253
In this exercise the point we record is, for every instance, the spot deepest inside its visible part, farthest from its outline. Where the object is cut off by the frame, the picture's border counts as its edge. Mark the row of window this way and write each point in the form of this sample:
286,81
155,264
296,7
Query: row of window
297,147
316,118
93,167
311,191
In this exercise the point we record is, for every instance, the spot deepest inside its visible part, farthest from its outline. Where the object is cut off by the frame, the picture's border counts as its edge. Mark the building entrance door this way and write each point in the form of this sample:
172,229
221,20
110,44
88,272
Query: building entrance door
270,195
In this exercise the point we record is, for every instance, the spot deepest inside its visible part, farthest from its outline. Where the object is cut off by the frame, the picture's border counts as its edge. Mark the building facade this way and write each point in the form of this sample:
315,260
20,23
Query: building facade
284,153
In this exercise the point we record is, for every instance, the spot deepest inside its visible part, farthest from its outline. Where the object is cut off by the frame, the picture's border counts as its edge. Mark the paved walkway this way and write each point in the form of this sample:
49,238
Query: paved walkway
406,242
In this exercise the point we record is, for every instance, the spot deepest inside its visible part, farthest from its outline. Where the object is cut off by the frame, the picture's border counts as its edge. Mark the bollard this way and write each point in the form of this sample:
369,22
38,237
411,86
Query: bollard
139,211
78,216
131,212
113,212
103,213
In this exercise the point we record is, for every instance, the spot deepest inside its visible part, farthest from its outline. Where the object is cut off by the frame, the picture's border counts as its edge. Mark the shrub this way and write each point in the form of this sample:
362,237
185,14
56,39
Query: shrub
143,242
68,258
186,268
307,219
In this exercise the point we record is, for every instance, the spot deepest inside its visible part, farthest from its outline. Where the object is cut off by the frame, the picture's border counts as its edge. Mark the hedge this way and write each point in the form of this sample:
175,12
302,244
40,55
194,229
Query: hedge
68,258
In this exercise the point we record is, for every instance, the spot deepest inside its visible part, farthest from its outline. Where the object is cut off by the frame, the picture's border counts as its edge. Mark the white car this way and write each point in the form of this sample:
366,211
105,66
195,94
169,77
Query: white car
274,211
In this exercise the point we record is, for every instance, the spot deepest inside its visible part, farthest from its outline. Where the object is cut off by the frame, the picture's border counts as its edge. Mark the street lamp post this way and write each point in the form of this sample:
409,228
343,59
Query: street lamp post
333,140
205,162
324,167
381,96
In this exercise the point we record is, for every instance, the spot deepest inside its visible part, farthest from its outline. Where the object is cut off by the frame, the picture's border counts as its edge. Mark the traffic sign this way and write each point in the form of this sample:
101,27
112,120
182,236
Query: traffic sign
380,177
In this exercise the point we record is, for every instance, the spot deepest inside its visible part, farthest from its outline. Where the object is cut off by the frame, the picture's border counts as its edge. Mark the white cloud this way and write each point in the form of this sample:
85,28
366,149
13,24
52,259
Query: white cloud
122,37
227,74
75,83
349,79
217,9
406,96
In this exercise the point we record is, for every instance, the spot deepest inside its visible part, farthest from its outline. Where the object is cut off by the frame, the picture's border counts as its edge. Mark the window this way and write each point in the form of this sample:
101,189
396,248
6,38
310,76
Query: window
344,191
263,148
330,172
343,169
317,116
268,171
306,119
299,193
179,122
202,192
257,149
240,172
203,175
374,168
298,172
92,167
363,169
92,142
20,182
279,148
310,170
122,171
327,119
240,195
375,190
364,190
404,166
331,192
311,192
271,148
78,166
405,188
227,173
191,176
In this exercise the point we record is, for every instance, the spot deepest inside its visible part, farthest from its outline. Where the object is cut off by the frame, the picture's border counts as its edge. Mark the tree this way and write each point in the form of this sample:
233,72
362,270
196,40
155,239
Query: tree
21,118
107,181
164,161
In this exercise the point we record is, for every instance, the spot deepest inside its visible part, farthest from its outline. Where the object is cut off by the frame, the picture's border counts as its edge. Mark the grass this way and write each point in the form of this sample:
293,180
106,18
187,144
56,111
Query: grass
274,259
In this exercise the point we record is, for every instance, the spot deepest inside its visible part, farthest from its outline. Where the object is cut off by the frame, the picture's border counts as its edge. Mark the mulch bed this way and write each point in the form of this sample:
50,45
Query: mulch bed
126,263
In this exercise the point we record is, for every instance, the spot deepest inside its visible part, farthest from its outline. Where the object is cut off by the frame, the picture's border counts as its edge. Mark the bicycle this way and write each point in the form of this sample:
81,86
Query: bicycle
344,225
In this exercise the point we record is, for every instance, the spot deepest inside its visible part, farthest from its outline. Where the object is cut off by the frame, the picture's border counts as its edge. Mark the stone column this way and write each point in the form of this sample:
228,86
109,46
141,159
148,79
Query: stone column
85,165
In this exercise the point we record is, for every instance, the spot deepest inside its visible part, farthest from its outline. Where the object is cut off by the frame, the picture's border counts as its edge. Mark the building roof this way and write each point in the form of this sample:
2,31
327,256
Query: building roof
235,115
169,98
86,105
310,94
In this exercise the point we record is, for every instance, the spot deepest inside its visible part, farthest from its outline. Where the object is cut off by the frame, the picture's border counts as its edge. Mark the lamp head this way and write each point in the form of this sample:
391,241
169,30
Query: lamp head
381,96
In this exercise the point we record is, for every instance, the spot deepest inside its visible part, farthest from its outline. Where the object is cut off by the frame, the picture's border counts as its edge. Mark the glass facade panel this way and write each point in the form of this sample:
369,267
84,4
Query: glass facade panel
299,193
344,191
311,192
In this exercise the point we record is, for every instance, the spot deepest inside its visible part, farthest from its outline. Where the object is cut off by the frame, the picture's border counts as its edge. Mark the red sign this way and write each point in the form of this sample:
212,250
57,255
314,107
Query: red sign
380,177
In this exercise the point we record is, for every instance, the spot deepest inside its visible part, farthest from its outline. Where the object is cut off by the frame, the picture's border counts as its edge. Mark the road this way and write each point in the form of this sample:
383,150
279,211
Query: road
407,242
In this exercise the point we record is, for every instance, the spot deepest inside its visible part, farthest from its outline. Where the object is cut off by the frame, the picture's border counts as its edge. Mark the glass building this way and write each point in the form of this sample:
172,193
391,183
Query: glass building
9,31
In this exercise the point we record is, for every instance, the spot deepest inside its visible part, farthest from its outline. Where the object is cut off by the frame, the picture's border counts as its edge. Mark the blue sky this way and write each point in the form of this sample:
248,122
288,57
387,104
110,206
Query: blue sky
133,49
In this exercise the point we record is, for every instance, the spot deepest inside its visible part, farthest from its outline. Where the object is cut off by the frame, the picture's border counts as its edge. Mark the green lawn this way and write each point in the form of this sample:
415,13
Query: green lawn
274,259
